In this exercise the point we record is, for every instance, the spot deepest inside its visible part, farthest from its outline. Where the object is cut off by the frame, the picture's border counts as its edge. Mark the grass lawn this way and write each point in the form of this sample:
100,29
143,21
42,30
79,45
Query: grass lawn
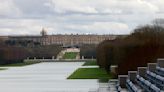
90,63
2,69
19,64
90,73
70,55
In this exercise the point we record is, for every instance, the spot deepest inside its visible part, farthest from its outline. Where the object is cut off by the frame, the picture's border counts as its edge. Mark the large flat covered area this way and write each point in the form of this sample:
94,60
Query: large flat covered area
44,77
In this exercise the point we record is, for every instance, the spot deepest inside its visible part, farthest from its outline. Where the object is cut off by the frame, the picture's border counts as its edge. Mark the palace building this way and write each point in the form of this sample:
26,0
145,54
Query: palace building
64,39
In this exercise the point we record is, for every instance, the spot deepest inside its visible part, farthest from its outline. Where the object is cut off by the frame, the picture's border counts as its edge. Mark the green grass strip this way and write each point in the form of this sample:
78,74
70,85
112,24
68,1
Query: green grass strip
3,69
90,63
90,73
19,64
70,55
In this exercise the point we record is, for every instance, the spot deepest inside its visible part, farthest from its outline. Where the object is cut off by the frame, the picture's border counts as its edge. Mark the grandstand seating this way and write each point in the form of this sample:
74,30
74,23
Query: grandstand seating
146,79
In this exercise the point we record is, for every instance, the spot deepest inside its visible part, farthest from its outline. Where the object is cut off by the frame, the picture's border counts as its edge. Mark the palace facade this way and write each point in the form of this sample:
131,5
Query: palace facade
62,39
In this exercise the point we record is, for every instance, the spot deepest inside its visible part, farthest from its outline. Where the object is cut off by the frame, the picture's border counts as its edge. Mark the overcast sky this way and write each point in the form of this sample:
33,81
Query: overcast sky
28,17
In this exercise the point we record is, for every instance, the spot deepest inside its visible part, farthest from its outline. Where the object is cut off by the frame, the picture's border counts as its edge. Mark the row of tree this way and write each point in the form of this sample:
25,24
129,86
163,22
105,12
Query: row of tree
144,45
88,51
24,43
16,54
10,55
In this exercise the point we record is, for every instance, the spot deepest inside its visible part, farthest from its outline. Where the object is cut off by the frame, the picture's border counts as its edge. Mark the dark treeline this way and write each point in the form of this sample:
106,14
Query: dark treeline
24,43
10,55
44,51
88,51
144,45
16,54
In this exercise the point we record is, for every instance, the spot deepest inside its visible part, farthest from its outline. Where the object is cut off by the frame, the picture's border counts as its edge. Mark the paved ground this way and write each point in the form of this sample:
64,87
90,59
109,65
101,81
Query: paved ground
44,77
88,66
107,87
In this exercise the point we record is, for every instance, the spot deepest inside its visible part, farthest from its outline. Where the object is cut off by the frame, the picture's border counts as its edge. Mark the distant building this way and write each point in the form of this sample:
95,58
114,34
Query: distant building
65,40
4,38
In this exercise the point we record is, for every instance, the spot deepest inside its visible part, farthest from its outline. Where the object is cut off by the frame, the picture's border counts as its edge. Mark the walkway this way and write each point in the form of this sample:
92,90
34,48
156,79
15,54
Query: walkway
44,77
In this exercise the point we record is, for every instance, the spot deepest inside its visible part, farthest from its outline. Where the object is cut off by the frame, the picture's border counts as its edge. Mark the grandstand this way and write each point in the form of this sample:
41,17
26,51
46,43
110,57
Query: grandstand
146,79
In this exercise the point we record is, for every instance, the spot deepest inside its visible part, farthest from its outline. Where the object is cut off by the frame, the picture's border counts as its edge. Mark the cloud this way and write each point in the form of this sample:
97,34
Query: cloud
103,6
8,9
77,16
34,8
101,28
20,26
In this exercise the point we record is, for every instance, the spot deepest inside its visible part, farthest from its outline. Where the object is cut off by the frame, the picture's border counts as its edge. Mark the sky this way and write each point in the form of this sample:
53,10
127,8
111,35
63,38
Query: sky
28,17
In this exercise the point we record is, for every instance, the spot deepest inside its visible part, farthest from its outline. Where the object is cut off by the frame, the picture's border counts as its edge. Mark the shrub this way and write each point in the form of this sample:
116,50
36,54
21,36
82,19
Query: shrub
16,54
88,51
144,45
